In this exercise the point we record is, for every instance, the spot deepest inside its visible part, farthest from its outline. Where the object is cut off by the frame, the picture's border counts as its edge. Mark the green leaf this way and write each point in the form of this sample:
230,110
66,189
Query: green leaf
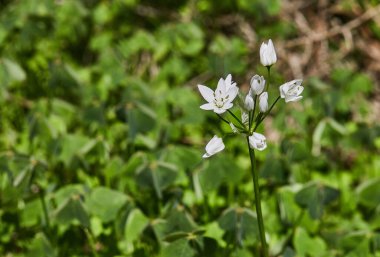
41,247
175,236
31,213
158,175
71,145
218,170
240,225
141,119
273,170
308,246
178,219
179,248
288,208
317,137
106,203
314,196
72,211
214,231
356,243
369,193
136,223
14,70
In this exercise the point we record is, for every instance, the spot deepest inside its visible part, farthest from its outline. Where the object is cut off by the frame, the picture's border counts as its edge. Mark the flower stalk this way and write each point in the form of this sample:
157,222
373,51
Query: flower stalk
257,201
220,101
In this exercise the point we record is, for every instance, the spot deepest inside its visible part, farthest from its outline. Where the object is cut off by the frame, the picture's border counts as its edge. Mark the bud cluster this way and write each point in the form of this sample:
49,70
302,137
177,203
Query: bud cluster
221,101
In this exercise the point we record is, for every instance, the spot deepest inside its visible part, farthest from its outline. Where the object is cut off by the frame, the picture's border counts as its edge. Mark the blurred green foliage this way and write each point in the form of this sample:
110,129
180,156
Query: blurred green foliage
101,137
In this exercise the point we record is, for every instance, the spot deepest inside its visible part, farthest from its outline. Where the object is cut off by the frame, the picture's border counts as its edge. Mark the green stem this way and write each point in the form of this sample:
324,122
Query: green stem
267,86
226,121
256,189
253,113
223,119
236,118
266,114
91,242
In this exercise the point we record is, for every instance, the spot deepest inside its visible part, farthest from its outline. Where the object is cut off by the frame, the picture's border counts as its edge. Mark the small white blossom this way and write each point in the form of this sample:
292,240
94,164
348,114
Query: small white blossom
220,100
268,55
249,102
292,90
234,129
257,84
263,102
214,146
257,141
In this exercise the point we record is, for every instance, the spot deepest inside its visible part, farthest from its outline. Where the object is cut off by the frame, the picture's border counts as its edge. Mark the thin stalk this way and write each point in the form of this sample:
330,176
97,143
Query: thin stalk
223,119
267,86
91,242
256,189
253,113
236,118
266,114
226,121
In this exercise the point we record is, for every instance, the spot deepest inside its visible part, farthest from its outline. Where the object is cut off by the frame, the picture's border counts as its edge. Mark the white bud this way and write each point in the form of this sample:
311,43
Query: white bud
268,55
292,90
257,84
257,141
214,146
263,102
249,102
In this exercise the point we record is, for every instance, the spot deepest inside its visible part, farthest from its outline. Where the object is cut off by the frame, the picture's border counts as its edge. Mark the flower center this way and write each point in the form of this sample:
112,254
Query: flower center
293,90
220,101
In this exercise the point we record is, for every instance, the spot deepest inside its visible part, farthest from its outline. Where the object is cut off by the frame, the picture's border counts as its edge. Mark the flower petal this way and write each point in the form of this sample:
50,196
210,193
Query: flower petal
220,89
206,155
232,93
207,93
208,106
219,110
227,105
293,98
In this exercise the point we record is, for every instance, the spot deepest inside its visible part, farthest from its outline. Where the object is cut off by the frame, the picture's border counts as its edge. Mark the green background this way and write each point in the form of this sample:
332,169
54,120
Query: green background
101,134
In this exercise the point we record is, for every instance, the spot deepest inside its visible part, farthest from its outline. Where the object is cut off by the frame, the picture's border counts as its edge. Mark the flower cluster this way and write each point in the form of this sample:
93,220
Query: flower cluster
221,100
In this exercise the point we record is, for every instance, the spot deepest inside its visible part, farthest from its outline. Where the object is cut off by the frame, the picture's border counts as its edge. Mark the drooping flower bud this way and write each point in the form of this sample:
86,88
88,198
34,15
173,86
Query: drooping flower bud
249,102
292,90
257,141
263,102
257,84
214,146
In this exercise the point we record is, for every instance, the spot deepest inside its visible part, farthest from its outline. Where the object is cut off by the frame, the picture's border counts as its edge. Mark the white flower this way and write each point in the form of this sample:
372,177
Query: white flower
257,141
214,146
263,102
291,90
257,84
220,100
234,129
249,102
267,54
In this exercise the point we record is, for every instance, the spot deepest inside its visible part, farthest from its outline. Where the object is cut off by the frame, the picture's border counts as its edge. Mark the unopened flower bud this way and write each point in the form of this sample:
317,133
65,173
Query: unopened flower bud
268,55
257,84
249,102
263,102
